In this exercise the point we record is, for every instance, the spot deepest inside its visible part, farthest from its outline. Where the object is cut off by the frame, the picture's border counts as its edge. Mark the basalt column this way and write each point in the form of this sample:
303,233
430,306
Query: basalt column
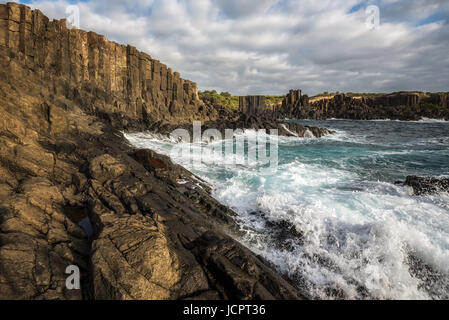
100,75
252,105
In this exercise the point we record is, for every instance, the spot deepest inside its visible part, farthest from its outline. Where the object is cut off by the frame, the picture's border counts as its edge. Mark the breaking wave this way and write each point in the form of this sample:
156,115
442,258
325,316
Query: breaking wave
331,217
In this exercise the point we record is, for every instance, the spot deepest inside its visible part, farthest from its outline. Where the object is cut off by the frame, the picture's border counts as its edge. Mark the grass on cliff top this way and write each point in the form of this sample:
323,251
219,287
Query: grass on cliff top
373,95
348,94
274,100
227,100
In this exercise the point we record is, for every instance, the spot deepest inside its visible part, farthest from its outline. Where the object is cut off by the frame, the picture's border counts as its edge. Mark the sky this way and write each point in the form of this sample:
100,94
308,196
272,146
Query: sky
269,47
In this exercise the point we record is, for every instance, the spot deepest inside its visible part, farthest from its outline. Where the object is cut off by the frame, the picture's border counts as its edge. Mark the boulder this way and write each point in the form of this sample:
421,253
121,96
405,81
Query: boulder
423,185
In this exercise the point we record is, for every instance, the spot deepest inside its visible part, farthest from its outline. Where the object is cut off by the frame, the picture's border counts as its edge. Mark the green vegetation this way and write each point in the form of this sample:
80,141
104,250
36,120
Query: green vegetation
349,94
325,94
434,94
225,98
431,106
274,100
364,94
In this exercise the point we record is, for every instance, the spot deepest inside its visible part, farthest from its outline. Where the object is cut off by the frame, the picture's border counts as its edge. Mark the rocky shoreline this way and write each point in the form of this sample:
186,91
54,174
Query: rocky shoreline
153,237
156,232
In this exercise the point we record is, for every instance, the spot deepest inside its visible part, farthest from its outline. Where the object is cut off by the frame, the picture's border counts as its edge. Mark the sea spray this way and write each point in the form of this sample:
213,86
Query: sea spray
331,217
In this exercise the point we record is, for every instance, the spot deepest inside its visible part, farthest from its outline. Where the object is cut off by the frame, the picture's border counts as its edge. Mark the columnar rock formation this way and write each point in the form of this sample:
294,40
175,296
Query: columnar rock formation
292,104
293,97
402,106
87,68
408,100
252,105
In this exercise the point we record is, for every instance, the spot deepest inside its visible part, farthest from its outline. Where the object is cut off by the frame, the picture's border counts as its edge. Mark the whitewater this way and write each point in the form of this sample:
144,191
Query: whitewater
331,218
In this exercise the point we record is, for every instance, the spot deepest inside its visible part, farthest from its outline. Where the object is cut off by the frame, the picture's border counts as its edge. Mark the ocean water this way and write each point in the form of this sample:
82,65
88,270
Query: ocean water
331,218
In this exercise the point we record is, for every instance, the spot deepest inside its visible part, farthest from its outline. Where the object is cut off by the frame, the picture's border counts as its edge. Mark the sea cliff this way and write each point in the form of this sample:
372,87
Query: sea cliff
65,96
395,106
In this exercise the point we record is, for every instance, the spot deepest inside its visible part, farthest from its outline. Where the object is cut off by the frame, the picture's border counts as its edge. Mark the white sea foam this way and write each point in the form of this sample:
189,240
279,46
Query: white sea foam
286,129
357,236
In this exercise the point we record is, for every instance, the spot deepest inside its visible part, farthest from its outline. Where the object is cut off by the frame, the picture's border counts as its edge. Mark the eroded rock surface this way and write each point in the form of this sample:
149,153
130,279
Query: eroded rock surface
423,185
247,122
395,106
63,160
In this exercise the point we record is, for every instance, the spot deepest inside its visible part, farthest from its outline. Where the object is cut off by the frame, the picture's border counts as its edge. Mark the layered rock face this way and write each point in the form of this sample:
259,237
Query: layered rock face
255,114
252,105
102,76
400,106
293,103
408,100
156,233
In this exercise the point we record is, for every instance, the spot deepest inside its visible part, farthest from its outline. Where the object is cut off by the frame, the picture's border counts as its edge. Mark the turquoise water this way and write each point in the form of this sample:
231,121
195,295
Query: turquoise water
331,218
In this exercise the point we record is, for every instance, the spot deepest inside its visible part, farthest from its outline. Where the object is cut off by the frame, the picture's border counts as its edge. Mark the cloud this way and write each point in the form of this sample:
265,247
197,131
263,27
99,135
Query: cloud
238,8
271,46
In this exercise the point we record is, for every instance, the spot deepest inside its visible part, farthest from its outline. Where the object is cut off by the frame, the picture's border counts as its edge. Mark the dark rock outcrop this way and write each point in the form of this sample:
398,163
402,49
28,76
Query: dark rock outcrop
422,185
156,231
292,103
252,105
261,122
253,114
396,106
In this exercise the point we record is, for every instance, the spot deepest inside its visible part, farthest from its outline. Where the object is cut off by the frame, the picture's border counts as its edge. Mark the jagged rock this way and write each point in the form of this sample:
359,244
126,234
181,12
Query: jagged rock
396,106
37,243
148,241
243,122
159,165
63,160
103,76
106,167
252,105
422,185
242,275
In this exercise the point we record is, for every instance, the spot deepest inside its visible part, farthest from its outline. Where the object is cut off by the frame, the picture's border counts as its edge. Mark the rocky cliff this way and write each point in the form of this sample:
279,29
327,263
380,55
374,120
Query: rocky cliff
99,75
151,230
253,105
253,114
396,106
